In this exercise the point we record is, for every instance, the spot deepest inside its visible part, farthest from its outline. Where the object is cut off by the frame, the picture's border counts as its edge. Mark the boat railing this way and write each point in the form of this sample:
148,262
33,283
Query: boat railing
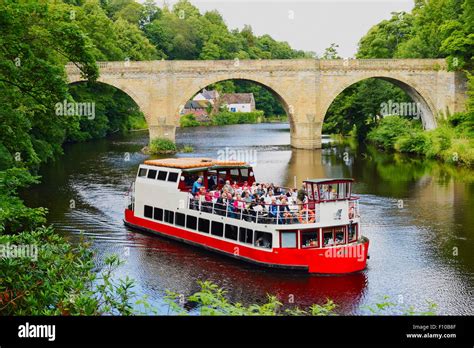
277,214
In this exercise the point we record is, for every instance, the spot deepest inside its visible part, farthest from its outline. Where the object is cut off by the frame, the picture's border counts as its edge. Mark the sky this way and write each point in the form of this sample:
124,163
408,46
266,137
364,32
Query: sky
310,25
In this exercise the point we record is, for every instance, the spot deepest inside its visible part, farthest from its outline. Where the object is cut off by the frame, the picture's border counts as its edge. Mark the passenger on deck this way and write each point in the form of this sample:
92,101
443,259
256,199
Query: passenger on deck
197,186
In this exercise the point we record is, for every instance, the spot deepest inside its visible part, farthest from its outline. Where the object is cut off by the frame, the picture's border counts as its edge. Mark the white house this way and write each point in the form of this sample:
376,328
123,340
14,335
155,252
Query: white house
238,102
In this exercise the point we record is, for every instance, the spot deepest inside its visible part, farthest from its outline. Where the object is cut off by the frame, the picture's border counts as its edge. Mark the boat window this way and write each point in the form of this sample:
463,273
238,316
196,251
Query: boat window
217,228
142,172
352,232
169,216
327,192
244,173
309,191
151,174
246,235
339,237
191,222
203,225
162,175
288,239
309,239
231,231
180,219
148,212
263,239
158,214
328,237
173,177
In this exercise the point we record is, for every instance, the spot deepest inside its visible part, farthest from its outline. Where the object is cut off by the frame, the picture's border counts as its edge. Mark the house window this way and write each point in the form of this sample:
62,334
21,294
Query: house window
180,219
217,228
148,212
339,235
142,172
158,214
173,177
191,222
246,235
352,232
328,237
288,239
169,216
203,225
309,239
231,231
151,174
233,109
263,239
162,175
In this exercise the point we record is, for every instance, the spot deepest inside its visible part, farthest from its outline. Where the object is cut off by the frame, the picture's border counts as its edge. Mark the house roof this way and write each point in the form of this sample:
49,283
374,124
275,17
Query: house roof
237,98
328,180
209,94
196,104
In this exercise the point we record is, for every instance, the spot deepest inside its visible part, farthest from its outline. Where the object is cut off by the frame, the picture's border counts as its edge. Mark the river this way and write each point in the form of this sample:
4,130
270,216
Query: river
417,214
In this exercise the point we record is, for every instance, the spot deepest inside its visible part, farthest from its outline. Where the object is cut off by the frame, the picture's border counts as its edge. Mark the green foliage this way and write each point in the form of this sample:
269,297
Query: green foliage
212,300
14,215
188,120
162,145
57,278
450,142
227,117
359,106
386,307
388,130
186,149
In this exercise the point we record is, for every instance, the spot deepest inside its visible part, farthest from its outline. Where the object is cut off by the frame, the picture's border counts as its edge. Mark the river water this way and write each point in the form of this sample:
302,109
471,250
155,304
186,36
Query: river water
417,214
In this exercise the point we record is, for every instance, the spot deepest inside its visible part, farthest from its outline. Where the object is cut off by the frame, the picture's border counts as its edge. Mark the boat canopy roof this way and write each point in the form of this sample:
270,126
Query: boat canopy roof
328,180
190,163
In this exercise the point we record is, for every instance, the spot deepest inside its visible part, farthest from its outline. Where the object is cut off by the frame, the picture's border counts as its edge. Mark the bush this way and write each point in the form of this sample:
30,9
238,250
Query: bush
227,117
417,142
188,120
162,145
58,279
388,130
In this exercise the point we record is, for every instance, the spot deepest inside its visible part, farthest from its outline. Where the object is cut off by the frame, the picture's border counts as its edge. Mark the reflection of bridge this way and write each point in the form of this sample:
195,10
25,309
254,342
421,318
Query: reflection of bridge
306,87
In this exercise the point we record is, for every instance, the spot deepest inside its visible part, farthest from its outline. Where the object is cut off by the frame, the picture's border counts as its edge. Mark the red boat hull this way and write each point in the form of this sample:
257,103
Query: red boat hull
334,260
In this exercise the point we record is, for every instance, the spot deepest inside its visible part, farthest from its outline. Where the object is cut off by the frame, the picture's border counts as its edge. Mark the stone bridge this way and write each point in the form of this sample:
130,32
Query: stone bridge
305,87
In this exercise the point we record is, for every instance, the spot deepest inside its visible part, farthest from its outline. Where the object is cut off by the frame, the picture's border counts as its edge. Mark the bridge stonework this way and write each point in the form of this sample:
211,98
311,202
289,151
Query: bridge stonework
305,87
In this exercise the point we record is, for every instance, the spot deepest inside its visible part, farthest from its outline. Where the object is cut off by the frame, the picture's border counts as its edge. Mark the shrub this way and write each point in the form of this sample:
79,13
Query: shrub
227,117
388,130
188,120
417,142
162,145
187,149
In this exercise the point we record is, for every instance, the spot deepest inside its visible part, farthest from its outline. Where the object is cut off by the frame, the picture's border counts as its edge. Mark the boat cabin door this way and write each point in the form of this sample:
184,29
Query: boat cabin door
311,190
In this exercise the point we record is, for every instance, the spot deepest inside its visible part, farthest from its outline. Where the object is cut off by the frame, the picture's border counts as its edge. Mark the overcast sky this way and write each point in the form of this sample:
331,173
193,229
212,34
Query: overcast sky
310,25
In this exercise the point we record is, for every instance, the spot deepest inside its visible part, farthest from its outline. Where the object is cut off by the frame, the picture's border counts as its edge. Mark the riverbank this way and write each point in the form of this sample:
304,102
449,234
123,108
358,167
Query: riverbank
451,142
225,118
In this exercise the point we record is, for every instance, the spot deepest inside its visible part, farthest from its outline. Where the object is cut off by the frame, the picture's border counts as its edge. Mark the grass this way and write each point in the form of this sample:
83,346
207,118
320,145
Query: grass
162,146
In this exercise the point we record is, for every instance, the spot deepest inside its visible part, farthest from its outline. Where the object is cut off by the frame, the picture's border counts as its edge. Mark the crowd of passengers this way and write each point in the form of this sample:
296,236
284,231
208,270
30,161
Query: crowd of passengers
259,201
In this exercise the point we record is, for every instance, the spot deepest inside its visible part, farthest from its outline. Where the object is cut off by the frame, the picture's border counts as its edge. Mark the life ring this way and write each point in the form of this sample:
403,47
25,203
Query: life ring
302,216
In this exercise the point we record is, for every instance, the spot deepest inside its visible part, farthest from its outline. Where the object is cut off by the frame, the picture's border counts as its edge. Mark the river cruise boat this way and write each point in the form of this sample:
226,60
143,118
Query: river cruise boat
201,201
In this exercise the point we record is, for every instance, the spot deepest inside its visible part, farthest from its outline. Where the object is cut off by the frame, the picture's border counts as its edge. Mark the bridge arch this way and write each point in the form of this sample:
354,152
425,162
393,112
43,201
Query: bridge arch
275,90
124,88
414,91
